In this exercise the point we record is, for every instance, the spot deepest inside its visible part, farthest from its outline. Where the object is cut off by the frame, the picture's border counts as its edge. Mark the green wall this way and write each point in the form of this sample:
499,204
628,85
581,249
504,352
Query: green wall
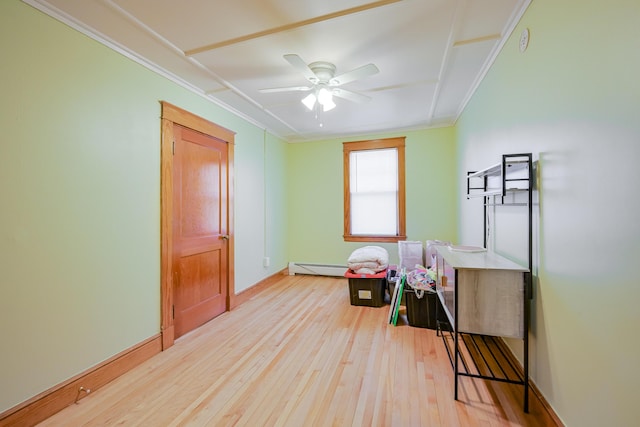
315,190
79,224
276,213
573,99
80,194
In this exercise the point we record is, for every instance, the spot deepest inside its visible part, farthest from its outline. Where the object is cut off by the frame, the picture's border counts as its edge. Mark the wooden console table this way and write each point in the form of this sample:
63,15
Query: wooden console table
484,296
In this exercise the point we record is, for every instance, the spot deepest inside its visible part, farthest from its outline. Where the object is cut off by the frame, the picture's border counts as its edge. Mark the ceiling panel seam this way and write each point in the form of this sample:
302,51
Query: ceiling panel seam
290,26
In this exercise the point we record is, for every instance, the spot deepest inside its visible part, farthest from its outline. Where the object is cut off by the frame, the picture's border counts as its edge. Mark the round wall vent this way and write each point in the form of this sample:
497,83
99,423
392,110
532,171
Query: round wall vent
524,39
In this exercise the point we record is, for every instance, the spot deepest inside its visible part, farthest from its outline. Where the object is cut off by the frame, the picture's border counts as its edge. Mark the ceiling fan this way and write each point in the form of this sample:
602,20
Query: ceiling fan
324,83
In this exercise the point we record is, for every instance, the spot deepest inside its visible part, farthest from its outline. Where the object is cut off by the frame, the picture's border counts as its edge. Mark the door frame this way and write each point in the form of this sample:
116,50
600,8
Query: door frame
174,115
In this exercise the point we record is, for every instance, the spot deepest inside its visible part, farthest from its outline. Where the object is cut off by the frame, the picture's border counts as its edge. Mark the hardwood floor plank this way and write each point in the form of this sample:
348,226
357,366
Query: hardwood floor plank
298,354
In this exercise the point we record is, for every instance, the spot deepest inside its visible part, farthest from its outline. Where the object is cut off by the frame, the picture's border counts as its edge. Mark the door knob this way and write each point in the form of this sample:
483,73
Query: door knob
224,236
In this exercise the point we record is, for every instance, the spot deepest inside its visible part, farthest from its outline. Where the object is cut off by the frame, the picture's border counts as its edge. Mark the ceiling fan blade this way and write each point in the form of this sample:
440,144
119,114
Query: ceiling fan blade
299,64
285,89
358,73
351,96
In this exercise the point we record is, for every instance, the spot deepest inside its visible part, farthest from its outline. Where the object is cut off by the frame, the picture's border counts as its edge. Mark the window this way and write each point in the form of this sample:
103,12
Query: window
374,196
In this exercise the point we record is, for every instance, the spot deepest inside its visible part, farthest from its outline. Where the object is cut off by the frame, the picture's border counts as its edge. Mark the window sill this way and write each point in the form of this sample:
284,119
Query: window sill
380,239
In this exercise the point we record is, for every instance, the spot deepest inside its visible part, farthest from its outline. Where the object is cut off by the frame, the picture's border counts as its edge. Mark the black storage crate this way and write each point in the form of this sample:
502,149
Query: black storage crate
367,291
421,312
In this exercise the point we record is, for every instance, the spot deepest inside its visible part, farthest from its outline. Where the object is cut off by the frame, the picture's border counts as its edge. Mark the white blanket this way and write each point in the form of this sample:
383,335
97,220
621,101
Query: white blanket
368,260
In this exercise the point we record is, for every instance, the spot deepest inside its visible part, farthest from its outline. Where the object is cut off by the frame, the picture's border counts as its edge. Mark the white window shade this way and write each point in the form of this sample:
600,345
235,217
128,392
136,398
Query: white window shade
373,186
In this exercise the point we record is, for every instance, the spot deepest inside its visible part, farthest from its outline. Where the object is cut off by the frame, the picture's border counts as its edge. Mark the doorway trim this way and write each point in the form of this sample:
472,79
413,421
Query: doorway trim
174,115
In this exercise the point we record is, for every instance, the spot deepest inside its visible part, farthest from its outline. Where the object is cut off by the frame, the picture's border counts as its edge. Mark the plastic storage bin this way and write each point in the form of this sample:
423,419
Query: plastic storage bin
410,253
367,289
393,277
421,312
430,251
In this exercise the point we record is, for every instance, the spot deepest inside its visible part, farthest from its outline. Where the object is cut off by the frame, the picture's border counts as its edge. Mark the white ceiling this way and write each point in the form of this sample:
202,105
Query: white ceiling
431,54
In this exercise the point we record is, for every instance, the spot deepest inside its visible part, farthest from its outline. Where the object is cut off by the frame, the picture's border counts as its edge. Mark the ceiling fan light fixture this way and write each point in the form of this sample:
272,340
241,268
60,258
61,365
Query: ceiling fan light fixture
324,83
309,101
328,105
324,96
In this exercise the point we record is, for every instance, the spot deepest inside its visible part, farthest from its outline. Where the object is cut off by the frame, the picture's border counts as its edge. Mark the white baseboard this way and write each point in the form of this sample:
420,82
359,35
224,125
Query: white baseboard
317,269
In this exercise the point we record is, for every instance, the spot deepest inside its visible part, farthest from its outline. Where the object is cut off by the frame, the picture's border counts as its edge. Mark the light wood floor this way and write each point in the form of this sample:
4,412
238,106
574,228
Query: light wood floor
298,354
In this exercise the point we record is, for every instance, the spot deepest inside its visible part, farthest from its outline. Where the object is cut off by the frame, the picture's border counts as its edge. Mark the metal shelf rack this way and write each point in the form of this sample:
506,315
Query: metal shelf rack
481,356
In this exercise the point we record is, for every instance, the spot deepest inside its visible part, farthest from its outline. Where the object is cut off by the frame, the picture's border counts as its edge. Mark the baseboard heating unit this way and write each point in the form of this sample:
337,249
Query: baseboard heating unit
317,269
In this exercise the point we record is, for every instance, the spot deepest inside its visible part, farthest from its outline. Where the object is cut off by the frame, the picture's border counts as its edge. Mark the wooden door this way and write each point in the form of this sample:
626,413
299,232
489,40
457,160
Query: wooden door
200,234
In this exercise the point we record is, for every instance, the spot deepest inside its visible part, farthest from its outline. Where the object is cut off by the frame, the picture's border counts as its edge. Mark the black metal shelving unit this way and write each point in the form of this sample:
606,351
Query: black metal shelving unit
483,356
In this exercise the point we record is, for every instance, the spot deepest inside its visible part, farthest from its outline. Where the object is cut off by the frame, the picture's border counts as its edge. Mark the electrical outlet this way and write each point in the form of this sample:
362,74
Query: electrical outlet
266,261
